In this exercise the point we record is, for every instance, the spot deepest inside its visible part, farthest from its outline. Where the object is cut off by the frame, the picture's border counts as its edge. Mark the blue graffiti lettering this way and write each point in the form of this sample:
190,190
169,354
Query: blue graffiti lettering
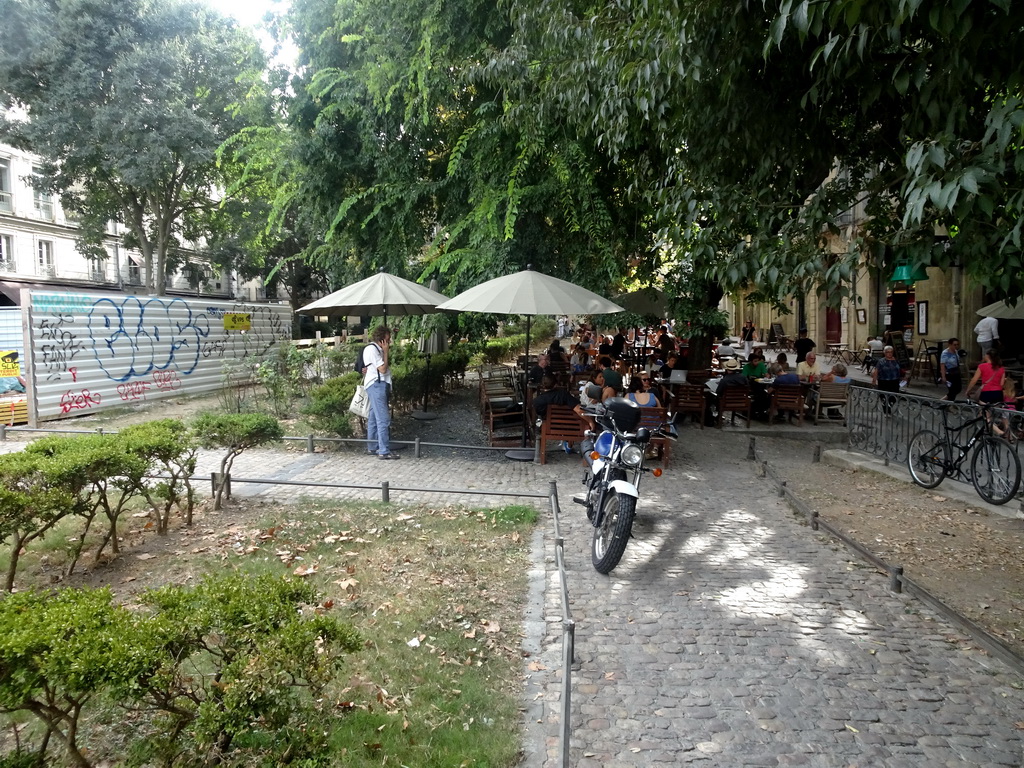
134,338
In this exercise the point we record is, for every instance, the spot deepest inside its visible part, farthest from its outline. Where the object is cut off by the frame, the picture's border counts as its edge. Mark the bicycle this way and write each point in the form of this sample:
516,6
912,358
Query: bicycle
995,468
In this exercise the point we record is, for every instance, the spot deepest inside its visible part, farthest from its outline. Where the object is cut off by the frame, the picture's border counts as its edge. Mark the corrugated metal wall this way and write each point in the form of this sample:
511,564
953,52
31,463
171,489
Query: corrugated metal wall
91,351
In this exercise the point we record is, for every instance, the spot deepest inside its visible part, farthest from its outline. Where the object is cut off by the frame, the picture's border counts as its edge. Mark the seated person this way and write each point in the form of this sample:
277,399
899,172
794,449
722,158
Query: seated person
838,375
783,378
605,347
671,364
550,394
579,360
733,375
783,361
755,367
809,367
558,361
640,392
610,381
876,348
725,349
541,369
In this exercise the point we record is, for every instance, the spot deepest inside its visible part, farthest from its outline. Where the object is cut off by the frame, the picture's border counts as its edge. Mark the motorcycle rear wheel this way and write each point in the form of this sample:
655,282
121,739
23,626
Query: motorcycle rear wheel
610,539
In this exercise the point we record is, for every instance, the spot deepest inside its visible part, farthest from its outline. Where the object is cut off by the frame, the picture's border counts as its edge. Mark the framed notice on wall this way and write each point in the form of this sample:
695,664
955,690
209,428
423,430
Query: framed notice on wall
922,318
842,315
862,316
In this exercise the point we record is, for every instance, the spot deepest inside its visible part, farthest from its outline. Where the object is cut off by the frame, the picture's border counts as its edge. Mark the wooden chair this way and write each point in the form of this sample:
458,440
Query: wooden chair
735,399
689,398
562,424
787,399
653,418
505,425
831,395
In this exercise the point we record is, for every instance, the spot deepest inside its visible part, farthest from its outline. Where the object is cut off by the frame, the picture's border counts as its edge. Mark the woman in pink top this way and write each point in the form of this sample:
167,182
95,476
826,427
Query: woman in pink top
991,373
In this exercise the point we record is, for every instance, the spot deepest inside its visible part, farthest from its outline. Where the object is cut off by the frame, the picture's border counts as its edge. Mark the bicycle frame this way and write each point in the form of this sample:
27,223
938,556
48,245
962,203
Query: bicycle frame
957,451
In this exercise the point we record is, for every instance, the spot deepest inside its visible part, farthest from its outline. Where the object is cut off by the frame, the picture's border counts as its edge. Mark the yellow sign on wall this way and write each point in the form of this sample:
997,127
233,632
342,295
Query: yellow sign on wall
237,321
9,365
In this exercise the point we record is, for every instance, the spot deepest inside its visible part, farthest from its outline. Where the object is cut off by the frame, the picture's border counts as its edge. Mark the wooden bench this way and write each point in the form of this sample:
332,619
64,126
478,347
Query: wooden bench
560,423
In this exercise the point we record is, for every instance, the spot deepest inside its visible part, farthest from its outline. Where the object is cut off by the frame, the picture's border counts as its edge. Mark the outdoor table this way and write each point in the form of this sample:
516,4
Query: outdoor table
835,353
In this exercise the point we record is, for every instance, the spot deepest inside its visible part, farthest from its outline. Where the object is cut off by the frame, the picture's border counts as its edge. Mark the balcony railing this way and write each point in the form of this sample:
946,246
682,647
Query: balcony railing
44,209
6,202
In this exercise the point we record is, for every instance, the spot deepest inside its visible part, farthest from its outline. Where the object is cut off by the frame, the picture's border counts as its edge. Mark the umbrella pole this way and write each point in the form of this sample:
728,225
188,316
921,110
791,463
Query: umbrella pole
524,453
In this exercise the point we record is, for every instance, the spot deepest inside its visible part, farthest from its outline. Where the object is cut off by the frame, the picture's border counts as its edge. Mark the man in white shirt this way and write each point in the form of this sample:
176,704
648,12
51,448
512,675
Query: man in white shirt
808,367
988,332
377,381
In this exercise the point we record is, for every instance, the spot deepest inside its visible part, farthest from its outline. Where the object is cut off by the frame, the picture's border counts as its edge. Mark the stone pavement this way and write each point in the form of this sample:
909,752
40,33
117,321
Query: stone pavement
730,635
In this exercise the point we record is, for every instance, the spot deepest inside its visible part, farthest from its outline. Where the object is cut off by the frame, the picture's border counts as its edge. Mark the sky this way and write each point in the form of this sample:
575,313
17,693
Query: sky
250,13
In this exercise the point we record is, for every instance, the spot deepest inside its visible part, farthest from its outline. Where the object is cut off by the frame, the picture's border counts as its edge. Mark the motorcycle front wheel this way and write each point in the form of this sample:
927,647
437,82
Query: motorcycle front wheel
611,537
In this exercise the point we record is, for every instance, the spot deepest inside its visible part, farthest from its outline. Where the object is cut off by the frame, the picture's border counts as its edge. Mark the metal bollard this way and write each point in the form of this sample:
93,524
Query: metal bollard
751,450
3,432
310,445
814,519
416,448
385,492
782,488
817,454
896,579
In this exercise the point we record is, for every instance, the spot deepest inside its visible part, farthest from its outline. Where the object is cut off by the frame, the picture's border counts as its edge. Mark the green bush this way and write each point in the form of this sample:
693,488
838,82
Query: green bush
328,404
237,432
170,450
232,665
36,493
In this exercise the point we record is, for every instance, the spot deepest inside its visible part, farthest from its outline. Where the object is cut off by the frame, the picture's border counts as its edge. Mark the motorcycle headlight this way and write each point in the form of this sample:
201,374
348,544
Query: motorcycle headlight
631,456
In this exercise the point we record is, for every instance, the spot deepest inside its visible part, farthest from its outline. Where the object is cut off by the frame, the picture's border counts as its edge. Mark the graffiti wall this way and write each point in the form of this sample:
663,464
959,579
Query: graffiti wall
89,352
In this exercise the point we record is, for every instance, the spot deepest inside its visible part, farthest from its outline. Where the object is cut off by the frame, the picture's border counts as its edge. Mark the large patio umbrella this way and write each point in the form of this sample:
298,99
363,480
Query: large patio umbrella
646,301
381,294
1003,311
530,293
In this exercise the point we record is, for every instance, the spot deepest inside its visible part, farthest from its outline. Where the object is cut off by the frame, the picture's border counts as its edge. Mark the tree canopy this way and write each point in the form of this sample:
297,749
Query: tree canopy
127,104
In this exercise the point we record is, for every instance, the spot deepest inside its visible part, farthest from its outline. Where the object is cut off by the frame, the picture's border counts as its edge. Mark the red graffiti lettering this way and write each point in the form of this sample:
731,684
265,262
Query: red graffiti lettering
133,390
76,401
166,380
74,374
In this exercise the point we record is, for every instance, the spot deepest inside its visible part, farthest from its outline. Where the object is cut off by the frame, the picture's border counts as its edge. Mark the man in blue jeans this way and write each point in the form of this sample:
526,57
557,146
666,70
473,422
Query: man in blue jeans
377,381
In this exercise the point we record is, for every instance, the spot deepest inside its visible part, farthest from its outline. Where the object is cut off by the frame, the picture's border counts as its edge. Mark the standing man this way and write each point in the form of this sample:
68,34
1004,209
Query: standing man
802,346
619,343
988,333
377,381
949,370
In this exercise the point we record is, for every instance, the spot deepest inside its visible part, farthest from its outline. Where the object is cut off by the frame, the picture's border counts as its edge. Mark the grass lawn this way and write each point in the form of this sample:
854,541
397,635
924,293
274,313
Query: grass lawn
435,593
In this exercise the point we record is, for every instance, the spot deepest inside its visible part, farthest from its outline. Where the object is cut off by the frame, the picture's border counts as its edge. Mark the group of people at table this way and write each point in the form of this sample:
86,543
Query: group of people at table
647,379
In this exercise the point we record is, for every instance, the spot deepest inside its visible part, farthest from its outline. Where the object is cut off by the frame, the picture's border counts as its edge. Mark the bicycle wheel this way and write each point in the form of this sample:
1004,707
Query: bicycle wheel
926,459
995,470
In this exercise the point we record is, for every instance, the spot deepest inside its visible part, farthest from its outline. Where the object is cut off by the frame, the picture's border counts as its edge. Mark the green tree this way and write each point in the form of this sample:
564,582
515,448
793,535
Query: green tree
755,130
127,104
237,432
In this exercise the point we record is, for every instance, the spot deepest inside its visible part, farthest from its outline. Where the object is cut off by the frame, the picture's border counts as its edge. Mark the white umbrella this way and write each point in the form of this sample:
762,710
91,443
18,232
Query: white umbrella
530,293
382,294
1003,311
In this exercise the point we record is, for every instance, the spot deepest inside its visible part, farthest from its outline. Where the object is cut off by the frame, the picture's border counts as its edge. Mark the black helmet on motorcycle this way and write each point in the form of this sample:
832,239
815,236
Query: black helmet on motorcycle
625,413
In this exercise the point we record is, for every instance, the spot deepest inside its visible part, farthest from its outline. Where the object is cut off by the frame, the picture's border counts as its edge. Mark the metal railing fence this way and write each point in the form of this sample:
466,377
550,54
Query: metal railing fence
883,424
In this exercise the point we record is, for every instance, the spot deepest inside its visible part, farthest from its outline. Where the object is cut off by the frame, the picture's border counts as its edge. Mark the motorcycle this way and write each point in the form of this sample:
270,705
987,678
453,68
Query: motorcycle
616,458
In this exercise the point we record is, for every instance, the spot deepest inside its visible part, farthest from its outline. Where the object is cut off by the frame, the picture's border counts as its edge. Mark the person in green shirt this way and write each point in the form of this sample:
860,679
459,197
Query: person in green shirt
755,367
